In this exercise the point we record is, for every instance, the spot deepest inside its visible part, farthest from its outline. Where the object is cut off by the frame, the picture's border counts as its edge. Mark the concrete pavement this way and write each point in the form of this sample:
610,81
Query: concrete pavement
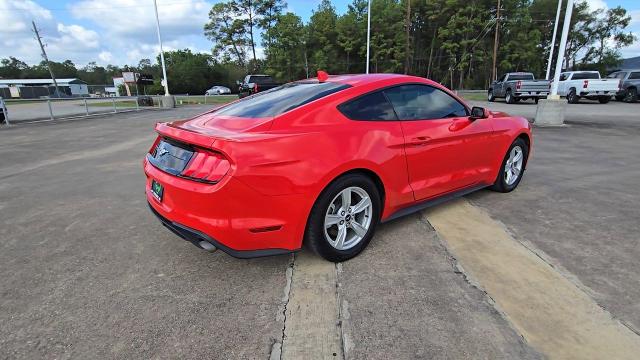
88,271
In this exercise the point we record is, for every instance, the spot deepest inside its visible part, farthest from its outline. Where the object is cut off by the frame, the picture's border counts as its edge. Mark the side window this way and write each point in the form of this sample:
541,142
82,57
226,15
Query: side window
503,78
422,102
634,75
372,106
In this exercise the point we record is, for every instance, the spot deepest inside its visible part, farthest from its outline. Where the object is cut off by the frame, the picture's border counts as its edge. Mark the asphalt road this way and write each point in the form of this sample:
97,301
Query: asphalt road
88,272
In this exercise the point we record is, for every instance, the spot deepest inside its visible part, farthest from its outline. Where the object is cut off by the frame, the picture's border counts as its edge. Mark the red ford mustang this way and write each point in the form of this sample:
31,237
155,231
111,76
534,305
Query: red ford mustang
323,162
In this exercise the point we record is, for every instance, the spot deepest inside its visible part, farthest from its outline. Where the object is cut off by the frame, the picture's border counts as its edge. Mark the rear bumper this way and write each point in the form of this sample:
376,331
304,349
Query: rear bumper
532,94
229,215
196,237
597,93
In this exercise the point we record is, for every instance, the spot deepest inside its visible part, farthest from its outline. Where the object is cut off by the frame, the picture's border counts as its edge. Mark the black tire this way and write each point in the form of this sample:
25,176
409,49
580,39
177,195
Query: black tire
509,97
604,99
500,183
632,95
536,100
490,96
619,98
315,235
572,97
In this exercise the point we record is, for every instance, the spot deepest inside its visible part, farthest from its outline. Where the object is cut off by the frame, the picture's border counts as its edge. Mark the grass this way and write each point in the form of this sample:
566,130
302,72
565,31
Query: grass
213,100
473,96
119,104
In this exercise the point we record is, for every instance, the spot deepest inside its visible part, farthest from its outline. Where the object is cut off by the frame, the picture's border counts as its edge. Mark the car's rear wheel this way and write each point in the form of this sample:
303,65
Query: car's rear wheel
632,95
509,97
344,218
603,99
572,97
536,100
512,167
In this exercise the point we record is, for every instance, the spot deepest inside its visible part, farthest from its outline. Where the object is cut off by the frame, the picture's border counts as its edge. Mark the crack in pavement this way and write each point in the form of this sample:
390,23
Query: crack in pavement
276,348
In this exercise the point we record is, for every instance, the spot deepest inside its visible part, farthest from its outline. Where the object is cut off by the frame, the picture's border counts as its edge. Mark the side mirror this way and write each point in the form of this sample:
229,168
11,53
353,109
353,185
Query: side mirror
478,112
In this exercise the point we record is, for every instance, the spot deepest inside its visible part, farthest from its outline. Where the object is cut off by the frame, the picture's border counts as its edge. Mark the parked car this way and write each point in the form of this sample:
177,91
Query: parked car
3,112
218,90
517,86
629,84
253,84
323,162
586,84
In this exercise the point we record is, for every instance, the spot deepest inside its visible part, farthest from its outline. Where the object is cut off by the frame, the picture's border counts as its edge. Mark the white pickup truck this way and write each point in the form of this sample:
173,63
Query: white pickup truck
586,84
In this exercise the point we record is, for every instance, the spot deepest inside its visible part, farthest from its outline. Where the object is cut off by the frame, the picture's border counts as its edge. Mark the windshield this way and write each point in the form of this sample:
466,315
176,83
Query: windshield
260,79
280,99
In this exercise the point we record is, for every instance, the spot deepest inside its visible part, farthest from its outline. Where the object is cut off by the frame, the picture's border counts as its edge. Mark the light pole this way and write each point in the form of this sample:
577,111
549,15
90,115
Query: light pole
551,111
561,50
368,32
164,68
553,41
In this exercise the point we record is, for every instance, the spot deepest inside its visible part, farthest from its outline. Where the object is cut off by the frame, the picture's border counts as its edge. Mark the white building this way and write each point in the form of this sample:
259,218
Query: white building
35,88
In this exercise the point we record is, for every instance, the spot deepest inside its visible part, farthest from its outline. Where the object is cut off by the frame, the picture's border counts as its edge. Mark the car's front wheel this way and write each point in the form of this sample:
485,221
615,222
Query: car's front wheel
344,218
512,167
490,96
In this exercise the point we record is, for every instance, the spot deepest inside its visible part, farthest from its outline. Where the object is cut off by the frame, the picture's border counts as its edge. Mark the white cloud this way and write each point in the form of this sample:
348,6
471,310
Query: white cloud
105,56
73,42
597,4
134,19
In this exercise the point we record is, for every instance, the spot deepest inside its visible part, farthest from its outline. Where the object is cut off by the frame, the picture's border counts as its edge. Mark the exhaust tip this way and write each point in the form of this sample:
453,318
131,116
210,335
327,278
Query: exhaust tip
207,246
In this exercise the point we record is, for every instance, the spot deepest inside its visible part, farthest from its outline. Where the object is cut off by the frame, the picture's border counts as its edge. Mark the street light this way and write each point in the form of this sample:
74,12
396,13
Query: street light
562,49
368,32
553,41
164,69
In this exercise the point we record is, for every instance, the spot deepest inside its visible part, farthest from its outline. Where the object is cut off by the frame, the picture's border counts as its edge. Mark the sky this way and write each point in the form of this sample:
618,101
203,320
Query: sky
123,31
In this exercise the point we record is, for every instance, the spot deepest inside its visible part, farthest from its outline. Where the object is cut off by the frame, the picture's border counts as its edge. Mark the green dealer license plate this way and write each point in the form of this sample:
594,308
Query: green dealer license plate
157,190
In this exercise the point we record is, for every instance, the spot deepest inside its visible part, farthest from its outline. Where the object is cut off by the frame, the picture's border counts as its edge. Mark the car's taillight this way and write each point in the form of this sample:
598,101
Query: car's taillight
585,84
207,166
518,85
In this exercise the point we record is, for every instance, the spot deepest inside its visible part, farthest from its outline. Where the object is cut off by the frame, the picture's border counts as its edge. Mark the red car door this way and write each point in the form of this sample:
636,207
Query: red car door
445,149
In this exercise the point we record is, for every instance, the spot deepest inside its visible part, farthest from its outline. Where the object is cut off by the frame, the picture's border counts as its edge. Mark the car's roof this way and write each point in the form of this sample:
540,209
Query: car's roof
363,79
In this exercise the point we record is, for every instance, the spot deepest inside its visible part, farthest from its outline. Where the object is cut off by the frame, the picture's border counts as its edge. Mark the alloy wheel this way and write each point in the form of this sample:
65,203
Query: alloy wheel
513,166
348,218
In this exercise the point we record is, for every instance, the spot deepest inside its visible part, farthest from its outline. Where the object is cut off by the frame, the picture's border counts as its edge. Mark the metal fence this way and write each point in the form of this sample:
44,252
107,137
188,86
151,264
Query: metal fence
35,110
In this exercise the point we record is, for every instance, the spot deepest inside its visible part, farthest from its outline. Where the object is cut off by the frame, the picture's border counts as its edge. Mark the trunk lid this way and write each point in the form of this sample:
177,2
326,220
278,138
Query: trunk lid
204,129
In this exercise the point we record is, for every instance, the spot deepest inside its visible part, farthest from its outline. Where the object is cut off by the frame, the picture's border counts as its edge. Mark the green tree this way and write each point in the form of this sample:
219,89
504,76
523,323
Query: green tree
227,32
12,68
322,38
285,55
607,34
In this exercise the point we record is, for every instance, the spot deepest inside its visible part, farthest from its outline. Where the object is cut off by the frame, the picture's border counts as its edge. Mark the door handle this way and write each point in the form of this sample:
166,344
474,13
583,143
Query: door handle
419,141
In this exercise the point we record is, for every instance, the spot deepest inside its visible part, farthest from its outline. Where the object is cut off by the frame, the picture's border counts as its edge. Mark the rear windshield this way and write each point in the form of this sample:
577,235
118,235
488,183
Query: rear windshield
281,99
260,79
585,76
520,76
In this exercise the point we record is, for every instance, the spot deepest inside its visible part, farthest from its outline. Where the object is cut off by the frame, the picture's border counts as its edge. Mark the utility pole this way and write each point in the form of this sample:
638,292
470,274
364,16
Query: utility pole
407,46
46,59
368,32
553,41
494,70
164,68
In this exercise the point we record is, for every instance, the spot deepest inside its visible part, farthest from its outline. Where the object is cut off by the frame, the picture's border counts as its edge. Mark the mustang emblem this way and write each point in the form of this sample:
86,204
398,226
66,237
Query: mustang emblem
162,151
